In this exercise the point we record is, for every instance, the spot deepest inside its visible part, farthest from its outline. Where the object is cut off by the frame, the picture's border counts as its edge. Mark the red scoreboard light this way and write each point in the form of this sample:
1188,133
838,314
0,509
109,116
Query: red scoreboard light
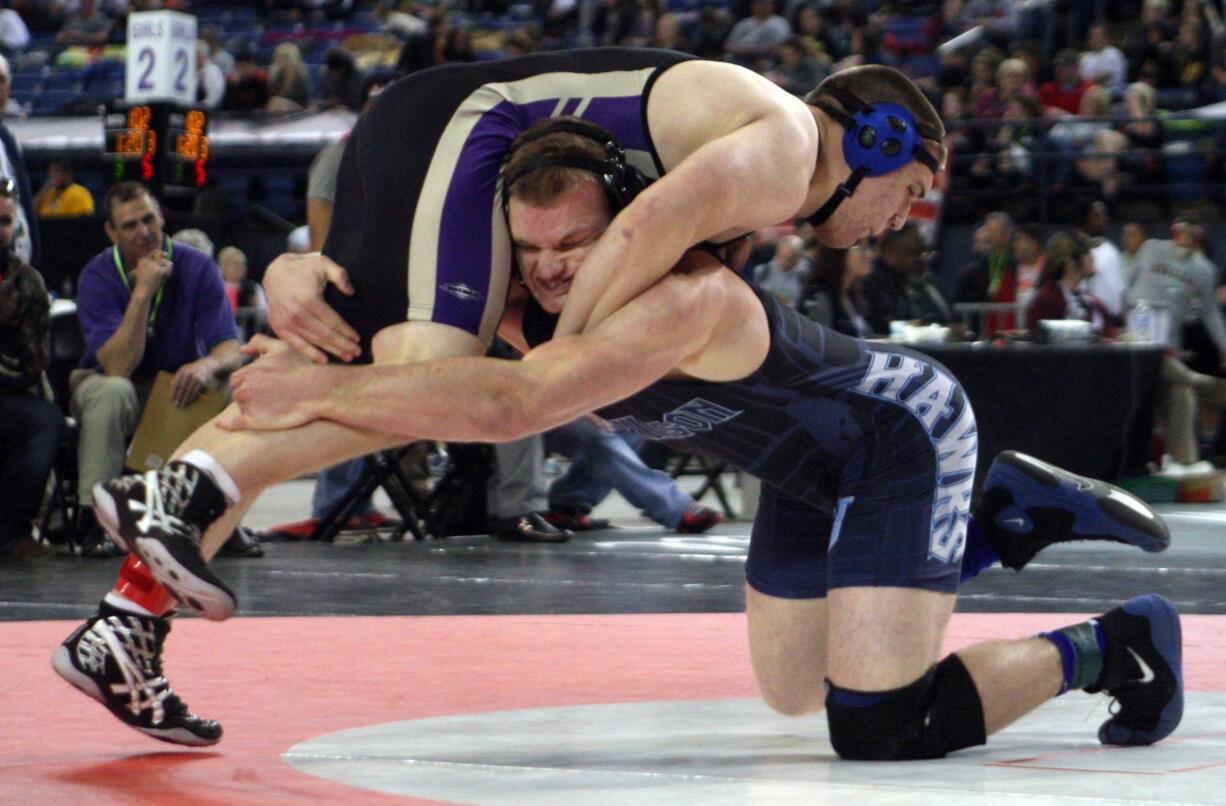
156,143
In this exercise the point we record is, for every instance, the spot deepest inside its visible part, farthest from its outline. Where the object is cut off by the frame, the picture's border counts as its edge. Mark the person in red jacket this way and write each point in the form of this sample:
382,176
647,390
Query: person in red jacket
1063,95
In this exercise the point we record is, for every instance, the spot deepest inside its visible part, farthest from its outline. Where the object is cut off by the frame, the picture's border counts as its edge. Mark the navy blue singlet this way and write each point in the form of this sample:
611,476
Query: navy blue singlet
866,454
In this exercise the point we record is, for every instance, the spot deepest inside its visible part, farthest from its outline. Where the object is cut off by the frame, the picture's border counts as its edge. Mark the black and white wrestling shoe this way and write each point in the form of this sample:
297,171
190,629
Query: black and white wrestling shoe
160,517
116,658
1028,504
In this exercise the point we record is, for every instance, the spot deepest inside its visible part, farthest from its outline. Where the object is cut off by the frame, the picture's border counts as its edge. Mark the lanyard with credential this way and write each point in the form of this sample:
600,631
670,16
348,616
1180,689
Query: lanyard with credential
123,277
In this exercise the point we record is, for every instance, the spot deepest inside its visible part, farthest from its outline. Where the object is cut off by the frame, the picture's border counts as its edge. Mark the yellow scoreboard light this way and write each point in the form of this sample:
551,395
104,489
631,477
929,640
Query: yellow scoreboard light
157,143
189,145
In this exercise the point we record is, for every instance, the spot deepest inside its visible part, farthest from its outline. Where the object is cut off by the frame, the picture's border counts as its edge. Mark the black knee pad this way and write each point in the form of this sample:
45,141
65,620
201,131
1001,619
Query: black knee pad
937,714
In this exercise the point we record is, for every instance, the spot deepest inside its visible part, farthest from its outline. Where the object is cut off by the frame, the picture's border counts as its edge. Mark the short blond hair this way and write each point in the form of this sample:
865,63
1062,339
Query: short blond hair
1016,67
194,238
1146,95
230,253
540,187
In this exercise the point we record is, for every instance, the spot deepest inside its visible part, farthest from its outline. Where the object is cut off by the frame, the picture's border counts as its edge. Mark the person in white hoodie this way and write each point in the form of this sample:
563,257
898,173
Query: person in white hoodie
1108,282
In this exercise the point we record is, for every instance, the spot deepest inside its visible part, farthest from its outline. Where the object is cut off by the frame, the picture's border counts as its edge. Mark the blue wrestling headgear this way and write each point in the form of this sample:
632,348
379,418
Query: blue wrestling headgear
878,139
620,180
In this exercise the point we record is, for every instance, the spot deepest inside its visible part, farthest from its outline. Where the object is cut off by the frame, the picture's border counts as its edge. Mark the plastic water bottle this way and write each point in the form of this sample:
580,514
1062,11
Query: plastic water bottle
1141,323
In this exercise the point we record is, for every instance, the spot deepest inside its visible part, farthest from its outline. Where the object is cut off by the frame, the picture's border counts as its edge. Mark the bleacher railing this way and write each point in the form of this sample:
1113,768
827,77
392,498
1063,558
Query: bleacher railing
1187,166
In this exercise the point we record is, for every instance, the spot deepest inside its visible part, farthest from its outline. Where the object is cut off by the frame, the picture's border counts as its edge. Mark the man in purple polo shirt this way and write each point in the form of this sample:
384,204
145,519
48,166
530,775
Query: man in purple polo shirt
145,305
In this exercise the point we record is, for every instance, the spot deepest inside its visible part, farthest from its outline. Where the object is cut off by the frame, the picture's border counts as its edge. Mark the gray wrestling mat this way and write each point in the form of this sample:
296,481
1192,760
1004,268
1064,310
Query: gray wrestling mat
724,752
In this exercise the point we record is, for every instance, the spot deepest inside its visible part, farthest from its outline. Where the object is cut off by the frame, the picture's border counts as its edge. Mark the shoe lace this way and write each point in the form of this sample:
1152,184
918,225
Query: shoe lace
92,651
136,649
1128,703
125,483
167,492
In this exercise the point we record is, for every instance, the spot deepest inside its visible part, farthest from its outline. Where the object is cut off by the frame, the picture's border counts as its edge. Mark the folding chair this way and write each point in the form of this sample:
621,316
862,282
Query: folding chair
382,470
67,348
425,516
692,464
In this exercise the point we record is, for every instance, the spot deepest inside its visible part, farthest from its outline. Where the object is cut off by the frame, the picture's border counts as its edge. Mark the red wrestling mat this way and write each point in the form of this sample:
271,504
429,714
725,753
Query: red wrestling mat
275,682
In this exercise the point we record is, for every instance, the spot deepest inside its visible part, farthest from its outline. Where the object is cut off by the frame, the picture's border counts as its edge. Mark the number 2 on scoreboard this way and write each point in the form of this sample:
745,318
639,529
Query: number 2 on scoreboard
146,59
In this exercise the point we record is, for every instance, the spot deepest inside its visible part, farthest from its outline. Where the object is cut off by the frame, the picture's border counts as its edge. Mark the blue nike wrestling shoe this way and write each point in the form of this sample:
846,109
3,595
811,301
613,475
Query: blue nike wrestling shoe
1028,504
1142,670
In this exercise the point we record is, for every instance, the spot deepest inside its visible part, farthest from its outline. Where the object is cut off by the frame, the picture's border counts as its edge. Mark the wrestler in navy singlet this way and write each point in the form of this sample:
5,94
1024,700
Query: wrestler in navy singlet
417,221
866,454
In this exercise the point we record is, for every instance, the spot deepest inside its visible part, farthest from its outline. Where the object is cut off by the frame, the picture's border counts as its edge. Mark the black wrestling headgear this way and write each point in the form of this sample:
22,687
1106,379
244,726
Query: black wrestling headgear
620,180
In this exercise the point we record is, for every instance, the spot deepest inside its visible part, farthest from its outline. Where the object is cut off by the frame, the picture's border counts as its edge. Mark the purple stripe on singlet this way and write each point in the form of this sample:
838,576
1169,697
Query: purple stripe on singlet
464,238
621,116
464,241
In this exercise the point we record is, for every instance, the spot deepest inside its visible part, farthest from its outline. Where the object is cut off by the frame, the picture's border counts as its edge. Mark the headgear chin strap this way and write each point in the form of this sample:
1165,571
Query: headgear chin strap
877,139
620,180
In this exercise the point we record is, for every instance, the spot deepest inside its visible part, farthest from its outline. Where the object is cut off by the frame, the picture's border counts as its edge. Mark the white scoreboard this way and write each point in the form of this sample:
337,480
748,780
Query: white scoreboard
161,57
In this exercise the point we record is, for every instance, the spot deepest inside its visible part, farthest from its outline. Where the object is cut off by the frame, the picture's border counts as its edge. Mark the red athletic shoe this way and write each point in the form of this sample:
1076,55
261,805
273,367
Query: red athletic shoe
698,519
575,522
298,530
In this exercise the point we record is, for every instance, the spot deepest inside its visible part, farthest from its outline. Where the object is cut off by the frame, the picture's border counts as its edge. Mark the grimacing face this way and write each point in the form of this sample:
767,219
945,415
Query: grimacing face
551,242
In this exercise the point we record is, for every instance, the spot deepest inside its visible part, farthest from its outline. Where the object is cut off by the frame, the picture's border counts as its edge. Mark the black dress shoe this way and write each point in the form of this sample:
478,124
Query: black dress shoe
97,543
26,548
241,543
529,528
90,539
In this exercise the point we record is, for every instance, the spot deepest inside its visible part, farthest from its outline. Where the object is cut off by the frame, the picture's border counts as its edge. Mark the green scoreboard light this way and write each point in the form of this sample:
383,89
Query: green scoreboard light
160,144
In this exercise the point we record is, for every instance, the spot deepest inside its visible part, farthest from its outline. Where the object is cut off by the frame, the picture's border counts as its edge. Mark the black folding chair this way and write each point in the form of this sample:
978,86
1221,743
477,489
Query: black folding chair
382,470
67,348
692,464
454,496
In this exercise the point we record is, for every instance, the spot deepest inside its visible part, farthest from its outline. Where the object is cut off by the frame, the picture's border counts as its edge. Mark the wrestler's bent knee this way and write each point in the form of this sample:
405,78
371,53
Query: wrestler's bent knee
937,714
790,702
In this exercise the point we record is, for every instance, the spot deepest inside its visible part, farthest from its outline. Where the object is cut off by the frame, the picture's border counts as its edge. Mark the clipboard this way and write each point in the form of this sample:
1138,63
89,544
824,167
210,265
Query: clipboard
164,426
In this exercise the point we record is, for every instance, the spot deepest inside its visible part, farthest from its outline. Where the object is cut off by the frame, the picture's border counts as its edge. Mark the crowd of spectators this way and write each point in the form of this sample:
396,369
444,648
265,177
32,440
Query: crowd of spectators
291,47
1034,99
1095,123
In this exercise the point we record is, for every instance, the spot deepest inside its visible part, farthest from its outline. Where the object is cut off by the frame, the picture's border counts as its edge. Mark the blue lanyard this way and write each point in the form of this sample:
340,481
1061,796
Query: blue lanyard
123,277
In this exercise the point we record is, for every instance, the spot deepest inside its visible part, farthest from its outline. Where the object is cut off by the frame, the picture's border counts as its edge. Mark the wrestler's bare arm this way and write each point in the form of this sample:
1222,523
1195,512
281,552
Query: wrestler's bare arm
740,153
674,326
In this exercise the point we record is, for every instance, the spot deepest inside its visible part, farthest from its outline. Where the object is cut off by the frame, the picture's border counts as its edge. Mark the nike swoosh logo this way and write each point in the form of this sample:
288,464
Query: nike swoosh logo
1147,674
1014,522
